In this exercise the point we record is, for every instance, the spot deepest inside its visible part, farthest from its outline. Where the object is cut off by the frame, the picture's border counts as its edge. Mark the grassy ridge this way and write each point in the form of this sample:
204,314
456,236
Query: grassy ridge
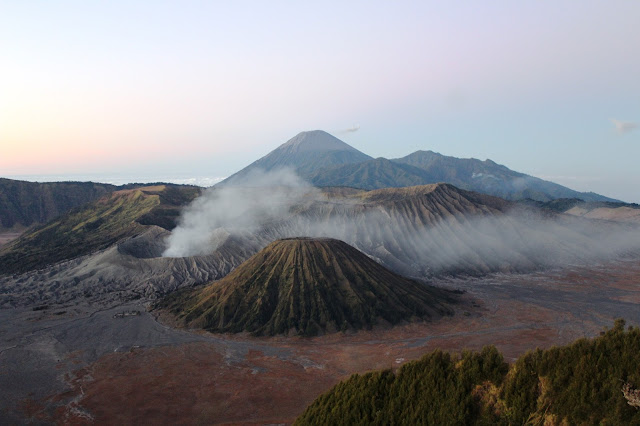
96,226
307,286
579,383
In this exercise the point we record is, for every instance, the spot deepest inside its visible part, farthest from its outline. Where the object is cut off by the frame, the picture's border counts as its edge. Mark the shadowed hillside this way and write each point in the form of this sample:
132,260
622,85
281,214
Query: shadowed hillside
489,177
96,226
23,204
427,167
307,286
601,210
372,174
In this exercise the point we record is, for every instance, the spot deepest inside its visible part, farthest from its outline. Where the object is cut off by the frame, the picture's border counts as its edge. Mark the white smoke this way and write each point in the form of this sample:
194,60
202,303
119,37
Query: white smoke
351,129
248,204
410,238
517,241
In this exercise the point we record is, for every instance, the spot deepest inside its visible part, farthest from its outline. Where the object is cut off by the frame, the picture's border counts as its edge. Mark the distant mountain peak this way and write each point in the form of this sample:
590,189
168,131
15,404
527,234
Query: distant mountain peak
315,141
305,152
324,160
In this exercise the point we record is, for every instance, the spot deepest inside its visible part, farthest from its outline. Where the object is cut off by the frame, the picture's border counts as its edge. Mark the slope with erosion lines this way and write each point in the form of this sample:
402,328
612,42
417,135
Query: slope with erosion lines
372,174
96,226
307,286
439,229
421,232
129,270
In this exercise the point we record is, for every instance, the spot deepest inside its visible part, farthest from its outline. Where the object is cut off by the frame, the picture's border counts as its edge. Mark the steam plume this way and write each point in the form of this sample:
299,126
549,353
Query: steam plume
415,237
251,202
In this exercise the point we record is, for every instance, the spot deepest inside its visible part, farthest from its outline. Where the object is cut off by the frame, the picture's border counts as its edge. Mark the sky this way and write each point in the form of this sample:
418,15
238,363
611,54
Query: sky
548,88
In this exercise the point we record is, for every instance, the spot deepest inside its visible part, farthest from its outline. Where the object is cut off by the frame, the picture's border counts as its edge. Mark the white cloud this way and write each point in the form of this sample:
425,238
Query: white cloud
624,126
353,129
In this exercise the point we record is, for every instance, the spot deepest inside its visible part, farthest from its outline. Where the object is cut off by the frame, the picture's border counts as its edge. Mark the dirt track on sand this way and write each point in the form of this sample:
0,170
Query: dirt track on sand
8,237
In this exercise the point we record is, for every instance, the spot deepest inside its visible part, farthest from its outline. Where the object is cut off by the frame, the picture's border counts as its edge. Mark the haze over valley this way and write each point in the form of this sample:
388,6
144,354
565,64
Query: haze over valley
329,213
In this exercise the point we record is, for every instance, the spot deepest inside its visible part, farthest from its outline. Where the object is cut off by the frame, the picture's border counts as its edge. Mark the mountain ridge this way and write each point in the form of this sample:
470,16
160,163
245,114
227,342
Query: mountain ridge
485,176
425,232
24,204
96,225
324,160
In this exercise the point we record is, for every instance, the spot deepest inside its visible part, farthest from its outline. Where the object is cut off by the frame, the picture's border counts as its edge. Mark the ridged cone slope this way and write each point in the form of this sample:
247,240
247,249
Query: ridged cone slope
307,286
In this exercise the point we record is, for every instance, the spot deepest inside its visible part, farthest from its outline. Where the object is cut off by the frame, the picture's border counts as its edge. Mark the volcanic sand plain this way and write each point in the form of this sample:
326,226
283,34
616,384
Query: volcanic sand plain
82,363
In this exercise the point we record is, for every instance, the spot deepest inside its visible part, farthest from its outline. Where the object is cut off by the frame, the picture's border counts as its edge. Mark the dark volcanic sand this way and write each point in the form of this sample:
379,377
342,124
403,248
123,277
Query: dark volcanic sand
84,366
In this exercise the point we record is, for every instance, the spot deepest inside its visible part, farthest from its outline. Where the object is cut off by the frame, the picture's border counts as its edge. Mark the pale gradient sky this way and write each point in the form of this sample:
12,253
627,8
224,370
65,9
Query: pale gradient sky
207,87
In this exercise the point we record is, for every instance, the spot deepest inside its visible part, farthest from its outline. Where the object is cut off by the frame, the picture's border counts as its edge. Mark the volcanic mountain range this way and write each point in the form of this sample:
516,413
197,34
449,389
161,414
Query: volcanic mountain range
264,258
318,157
113,247
324,160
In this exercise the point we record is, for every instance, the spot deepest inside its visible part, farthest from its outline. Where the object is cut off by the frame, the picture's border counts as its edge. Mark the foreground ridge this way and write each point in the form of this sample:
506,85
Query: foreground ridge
575,384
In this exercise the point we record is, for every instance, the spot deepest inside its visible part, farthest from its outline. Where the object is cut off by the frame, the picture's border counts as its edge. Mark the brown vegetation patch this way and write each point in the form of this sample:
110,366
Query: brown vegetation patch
206,383
196,383
240,379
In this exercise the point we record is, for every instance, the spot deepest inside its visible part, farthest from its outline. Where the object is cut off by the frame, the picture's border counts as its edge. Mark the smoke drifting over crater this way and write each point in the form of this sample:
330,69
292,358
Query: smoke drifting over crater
418,231
251,202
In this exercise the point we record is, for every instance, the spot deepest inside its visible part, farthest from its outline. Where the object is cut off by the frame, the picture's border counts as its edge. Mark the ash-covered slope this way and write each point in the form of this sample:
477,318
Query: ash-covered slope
304,153
132,269
423,231
96,226
307,286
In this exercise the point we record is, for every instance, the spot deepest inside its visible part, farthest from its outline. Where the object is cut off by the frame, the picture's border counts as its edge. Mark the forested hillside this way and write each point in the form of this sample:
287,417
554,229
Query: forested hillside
581,383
